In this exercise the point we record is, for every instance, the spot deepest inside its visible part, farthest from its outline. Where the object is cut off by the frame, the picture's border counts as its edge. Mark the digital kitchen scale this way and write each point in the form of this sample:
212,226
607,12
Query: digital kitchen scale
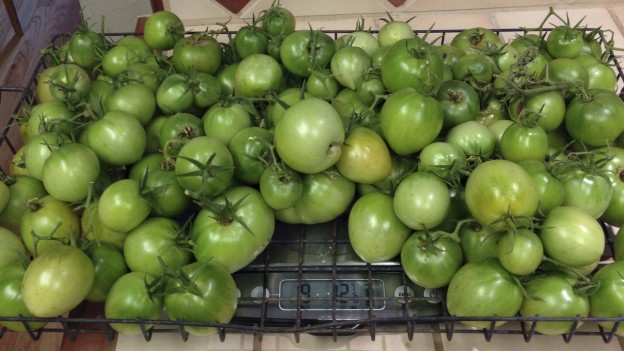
310,274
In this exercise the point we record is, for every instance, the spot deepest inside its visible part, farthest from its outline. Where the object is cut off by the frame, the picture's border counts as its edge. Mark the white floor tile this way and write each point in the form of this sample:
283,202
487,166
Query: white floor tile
287,342
400,342
365,343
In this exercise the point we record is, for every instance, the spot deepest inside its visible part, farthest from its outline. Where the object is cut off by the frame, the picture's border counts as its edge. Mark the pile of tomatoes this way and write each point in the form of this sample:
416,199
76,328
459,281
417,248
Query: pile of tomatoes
154,167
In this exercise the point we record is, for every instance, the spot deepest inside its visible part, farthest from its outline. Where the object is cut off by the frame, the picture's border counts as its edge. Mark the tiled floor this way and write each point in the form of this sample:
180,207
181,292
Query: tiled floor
386,341
608,14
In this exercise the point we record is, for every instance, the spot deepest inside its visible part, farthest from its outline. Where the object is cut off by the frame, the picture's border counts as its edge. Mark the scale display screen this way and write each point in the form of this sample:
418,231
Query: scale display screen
318,294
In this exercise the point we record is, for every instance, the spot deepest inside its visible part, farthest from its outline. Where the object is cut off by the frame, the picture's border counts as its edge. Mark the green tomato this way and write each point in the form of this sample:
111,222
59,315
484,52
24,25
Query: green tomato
57,281
375,232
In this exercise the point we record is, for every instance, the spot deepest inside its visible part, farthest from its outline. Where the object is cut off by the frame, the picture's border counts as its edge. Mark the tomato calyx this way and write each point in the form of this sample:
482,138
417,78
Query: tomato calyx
390,19
149,193
160,287
8,180
226,214
65,88
586,162
173,146
476,38
206,170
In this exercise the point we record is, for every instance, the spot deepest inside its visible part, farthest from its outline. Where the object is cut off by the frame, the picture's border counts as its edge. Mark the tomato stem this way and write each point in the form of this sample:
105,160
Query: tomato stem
574,270
37,238
454,235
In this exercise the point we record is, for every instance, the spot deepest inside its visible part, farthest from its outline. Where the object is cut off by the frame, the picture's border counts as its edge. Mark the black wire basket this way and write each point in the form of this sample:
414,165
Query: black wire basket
370,321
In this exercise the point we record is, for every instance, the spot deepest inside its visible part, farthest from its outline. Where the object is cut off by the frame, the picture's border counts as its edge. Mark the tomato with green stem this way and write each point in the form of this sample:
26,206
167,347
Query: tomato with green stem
460,102
201,292
177,130
442,159
206,90
313,206
47,223
348,104
473,138
412,63
393,31
204,167
479,243
595,119
175,94
520,251
370,88
280,187
523,140
70,83
306,50
199,52
431,259
141,73
569,74
21,189
473,67
548,108
131,297
162,30
233,229
277,20
360,38
564,41
86,47
349,64
477,38
52,116
163,192
483,288
62,178
321,84
586,183
118,59
157,241
600,74
555,295
39,149
250,40
250,153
